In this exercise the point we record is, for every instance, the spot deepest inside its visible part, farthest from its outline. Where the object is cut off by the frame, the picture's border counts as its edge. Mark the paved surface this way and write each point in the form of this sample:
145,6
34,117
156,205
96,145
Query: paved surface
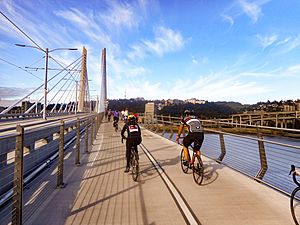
98,191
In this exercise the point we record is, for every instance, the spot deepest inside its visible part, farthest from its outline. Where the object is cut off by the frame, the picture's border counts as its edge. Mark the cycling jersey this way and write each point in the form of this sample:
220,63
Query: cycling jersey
193,124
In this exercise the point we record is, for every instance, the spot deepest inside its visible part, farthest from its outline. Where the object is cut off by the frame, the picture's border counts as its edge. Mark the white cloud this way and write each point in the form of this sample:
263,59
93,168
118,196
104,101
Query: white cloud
165,40
266,41
292,70
228,19
243,7
119,15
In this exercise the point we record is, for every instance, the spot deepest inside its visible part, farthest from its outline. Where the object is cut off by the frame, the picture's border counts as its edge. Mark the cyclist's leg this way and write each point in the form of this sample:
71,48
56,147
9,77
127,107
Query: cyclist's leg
128,154
187,141
198,140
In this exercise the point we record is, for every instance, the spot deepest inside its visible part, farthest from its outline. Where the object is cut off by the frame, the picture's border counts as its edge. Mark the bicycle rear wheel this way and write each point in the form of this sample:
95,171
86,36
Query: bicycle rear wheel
198,170
184,164
295,205
135,166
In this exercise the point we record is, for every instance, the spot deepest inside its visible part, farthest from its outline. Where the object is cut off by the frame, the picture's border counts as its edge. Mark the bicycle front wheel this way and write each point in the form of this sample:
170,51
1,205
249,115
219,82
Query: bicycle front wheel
198,170
295,205
135,167
183,162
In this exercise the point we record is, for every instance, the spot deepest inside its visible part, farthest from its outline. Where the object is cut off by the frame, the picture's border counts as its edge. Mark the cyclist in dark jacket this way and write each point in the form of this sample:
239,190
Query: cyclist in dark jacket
133,137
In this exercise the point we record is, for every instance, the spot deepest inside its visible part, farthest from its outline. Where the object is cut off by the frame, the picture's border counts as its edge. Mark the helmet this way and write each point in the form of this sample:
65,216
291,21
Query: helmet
188,112
131,118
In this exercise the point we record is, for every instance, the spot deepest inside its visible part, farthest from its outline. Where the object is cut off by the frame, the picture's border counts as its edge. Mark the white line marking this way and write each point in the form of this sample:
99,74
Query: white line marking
189,216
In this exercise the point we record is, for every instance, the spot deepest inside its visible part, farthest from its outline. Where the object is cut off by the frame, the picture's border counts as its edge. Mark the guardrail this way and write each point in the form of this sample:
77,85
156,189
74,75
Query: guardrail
259,152
26,152
10,116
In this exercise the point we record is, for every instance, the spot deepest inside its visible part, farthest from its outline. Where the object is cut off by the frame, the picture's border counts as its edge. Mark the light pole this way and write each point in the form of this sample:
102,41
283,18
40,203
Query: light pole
46,51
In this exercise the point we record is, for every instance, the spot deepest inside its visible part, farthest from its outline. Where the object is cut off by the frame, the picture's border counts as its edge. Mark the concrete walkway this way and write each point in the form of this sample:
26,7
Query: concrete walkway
98,191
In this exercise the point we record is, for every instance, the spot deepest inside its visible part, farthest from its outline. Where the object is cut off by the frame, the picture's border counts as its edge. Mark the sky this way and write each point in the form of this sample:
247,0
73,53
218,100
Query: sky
230,50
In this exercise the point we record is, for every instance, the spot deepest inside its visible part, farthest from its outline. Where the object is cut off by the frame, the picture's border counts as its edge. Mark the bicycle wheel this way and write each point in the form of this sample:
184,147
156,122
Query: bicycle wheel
198,170
135,166
184,164
295,205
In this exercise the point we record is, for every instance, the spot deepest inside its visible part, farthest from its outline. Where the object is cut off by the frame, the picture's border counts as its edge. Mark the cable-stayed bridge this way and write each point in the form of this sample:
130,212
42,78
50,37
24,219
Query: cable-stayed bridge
61,162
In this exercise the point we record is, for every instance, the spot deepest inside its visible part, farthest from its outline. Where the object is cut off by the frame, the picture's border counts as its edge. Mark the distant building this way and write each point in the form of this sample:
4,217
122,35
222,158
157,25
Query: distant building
150,108
289,108
195,101
27,104
297,104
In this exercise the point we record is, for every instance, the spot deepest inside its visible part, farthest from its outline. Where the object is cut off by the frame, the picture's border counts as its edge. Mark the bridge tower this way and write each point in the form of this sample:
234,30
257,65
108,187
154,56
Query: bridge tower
103,88
83,84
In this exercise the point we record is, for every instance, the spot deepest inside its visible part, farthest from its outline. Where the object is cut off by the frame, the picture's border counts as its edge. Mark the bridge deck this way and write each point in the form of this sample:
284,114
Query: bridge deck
98,192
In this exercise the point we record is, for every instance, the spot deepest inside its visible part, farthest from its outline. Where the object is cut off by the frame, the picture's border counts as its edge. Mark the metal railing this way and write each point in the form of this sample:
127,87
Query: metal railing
25,153
263,153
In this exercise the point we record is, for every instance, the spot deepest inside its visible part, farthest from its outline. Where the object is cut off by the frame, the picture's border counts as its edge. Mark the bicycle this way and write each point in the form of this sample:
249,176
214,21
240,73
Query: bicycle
134,162
295,197
195,163
115,125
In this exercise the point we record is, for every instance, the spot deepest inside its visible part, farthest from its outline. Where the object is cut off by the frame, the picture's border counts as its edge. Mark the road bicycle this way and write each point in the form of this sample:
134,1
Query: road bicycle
115,125
195,163
134,162
295,197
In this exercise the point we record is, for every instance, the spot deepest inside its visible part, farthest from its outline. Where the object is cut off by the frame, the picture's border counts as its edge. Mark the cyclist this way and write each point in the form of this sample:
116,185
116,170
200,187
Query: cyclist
195,133
133,137
116,115
109,114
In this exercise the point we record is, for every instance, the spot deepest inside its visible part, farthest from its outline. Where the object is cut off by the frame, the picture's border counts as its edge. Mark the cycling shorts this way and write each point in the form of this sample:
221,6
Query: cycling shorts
196,137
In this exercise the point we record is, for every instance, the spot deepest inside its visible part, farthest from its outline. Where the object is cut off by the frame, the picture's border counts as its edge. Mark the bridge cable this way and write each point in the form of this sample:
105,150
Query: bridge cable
21,31
54,107
50,89
61,80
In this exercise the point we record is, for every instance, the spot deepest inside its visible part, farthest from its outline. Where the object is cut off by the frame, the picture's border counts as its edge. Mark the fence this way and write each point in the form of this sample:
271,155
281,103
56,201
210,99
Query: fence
261,152
26,152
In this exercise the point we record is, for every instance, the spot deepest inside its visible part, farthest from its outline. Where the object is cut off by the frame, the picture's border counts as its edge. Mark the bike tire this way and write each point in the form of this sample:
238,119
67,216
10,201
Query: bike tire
135,167
182,159
198,170
295,205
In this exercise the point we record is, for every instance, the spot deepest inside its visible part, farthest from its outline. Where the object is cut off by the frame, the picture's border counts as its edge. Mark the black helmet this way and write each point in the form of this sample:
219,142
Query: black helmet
188,112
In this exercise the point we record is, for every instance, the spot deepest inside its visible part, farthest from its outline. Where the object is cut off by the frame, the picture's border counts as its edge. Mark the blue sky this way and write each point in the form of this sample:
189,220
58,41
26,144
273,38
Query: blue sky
231,50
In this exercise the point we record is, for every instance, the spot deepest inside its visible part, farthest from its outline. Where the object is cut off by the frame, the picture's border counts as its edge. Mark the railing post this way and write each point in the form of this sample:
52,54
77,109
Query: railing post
222,143
263,157
223,149
87,137
18,178
60,166
157,124
164,126
92,132
77,155
171,125
95,127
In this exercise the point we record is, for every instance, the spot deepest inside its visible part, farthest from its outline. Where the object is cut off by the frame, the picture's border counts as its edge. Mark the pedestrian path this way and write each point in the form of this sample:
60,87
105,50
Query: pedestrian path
99,192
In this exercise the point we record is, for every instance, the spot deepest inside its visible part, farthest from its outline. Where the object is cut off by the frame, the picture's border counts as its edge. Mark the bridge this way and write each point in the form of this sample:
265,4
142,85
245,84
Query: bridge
64,165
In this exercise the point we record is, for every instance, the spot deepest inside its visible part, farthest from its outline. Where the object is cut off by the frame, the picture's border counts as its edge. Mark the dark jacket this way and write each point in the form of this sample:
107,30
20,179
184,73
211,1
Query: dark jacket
133,132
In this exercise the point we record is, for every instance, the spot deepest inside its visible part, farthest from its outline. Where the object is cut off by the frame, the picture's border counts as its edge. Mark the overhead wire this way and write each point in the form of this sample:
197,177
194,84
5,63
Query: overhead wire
19,67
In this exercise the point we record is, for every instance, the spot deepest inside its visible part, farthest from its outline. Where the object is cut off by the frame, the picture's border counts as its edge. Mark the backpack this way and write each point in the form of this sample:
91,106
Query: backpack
134,134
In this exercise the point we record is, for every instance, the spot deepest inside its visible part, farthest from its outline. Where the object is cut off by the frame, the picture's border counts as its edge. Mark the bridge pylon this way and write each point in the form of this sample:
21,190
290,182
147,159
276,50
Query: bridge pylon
103,88
83,84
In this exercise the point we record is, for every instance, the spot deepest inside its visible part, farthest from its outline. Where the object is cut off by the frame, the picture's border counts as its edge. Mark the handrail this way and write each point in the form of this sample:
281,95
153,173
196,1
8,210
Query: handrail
25,163
243,153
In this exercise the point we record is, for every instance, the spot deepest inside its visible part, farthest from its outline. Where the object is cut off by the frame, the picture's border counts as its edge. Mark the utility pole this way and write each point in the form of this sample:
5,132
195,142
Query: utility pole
45,85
